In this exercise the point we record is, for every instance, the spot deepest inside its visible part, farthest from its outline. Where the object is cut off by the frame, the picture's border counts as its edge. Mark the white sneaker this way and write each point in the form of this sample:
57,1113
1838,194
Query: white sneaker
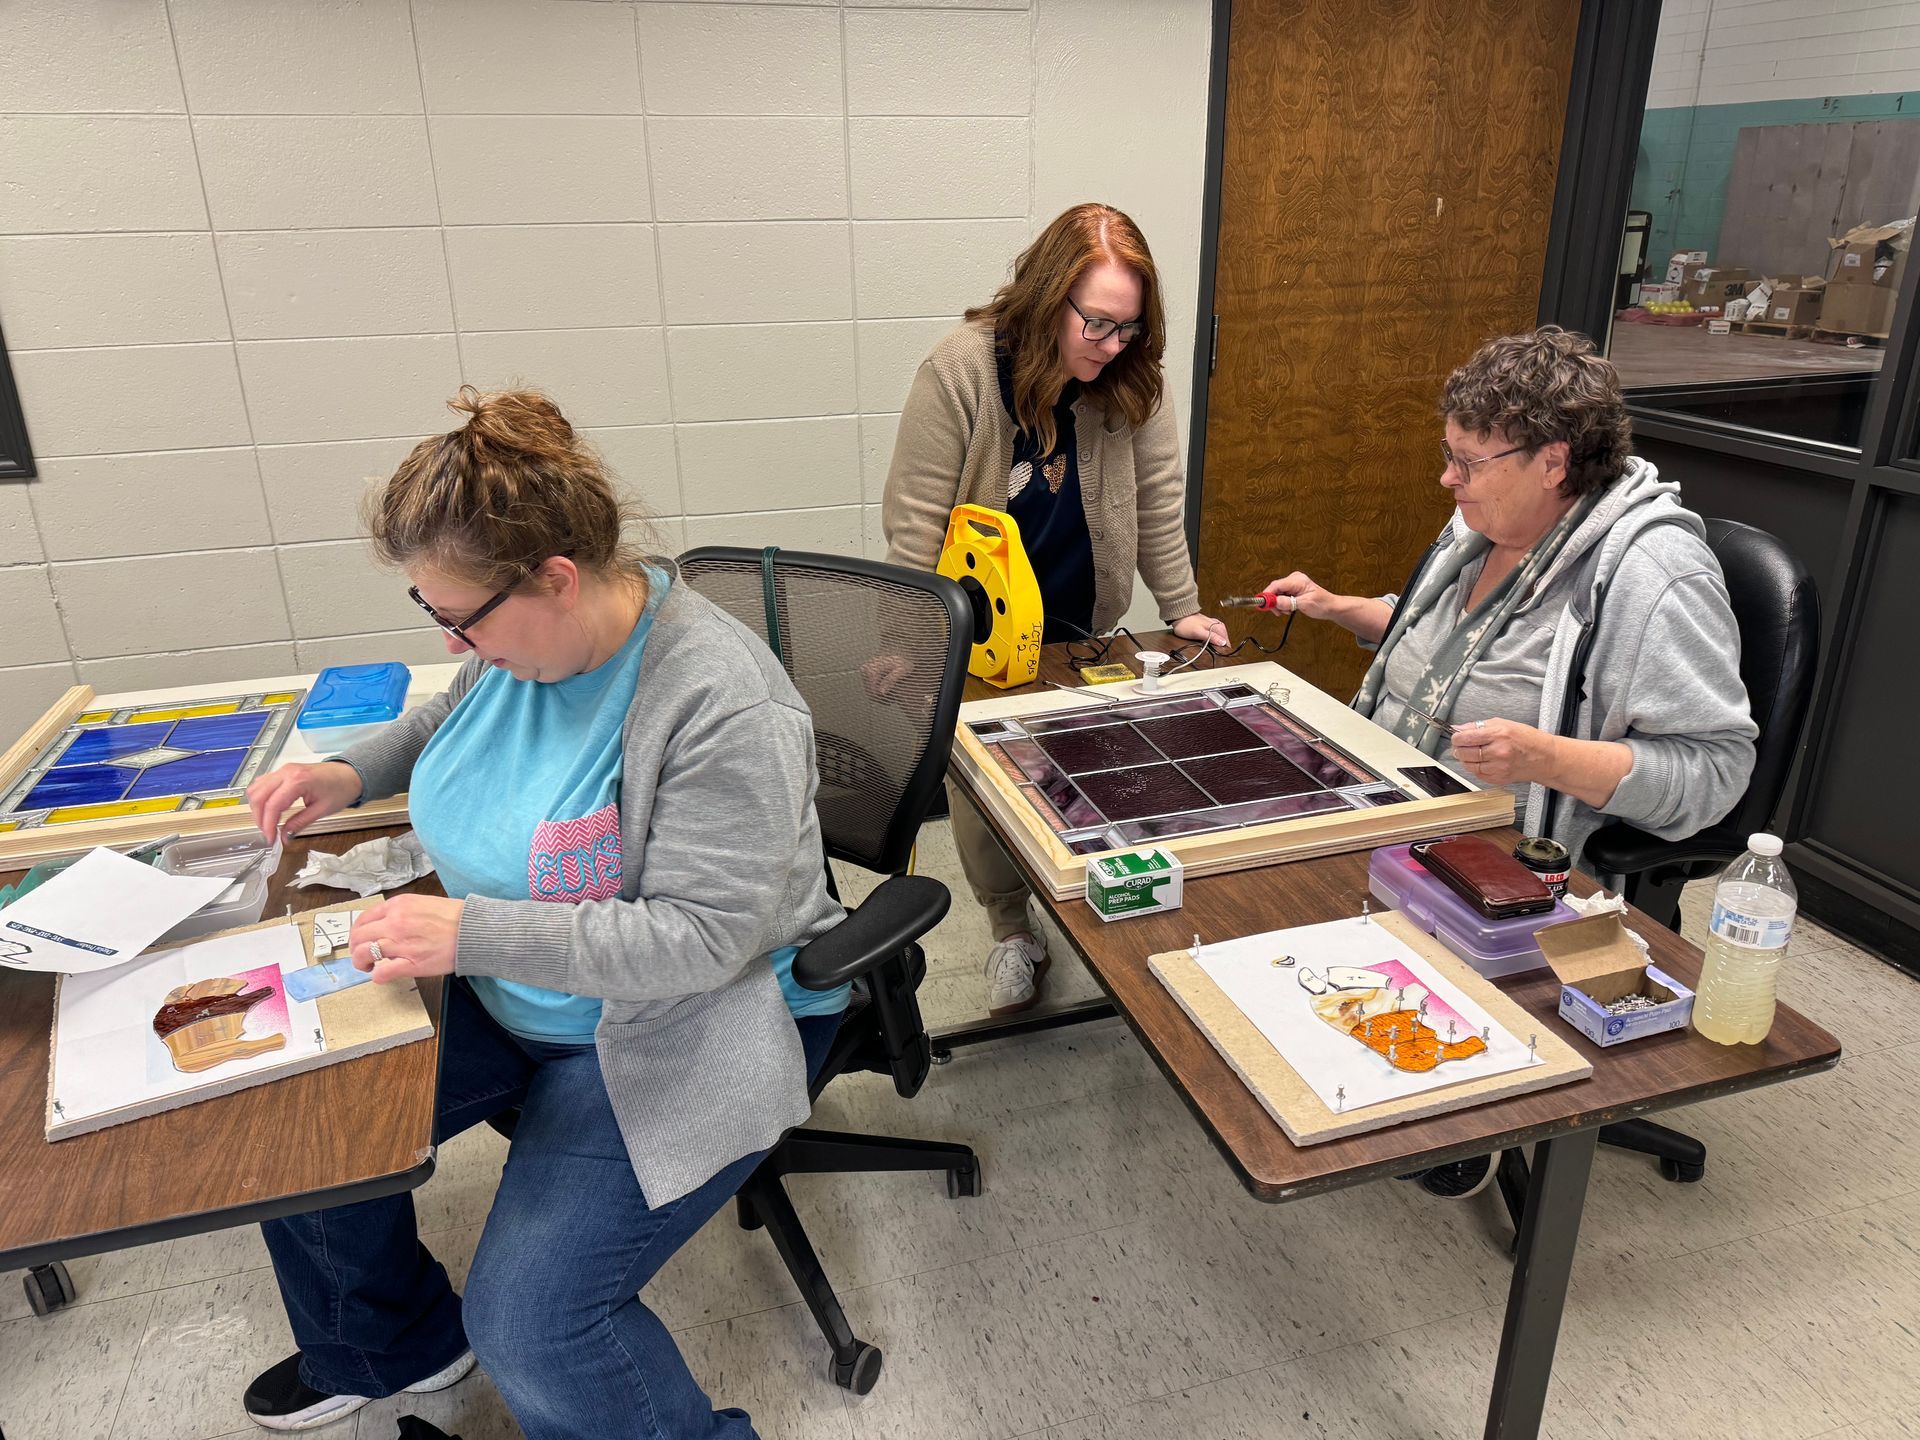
1015,968
279,1400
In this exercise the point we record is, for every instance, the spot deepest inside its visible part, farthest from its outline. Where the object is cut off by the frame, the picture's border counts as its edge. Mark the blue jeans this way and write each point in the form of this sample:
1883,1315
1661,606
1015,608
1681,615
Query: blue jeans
552,1304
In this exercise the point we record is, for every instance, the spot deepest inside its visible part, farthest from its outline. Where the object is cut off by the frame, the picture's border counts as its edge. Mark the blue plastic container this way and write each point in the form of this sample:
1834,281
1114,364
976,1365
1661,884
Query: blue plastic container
355,695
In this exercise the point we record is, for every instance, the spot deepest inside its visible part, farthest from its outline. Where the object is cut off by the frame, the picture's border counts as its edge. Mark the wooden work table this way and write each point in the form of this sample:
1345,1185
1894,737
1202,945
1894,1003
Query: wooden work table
345,1132
1563,1123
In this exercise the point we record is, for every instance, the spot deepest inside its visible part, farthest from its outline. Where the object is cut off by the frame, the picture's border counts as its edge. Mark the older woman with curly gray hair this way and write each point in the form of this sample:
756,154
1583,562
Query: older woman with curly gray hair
1639,717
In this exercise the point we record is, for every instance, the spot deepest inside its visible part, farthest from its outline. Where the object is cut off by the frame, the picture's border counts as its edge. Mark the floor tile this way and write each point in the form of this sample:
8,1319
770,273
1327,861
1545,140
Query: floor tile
62,1377
203,1345
773,1365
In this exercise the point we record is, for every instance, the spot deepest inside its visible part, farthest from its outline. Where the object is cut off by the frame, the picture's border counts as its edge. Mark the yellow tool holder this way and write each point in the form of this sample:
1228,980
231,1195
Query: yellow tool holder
983,552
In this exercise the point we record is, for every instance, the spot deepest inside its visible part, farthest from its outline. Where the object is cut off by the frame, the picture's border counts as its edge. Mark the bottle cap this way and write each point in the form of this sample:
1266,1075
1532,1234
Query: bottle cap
1761,843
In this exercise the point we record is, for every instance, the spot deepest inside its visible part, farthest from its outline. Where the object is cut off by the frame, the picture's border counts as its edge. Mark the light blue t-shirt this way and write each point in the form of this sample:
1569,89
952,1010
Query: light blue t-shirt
517,796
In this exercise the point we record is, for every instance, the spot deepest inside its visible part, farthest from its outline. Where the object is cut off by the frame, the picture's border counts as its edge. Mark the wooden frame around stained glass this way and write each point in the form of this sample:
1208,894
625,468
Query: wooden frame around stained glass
125,769
1229,768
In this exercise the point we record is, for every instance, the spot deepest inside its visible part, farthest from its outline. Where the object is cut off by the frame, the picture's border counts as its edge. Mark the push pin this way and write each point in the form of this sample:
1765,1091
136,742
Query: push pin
1451,1026
1391,1058
1532,1040
1340,1098
1423,1006
1486,1034
1366,911
1194,949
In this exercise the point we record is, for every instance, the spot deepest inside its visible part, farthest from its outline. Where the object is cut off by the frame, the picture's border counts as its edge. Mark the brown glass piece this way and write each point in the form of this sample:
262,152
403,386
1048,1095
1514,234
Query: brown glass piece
1108,748
1143,790
176,1014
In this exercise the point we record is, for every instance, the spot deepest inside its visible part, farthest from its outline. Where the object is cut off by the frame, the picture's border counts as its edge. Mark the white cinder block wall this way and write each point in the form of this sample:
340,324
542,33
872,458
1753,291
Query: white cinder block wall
249,247
1733,52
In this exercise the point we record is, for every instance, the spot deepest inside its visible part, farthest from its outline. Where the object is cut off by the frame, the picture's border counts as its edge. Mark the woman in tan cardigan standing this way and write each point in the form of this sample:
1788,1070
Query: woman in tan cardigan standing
1048,403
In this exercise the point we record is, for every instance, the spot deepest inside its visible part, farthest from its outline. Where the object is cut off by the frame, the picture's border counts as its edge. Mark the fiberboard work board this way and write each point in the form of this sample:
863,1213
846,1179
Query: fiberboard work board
1228,768
122,769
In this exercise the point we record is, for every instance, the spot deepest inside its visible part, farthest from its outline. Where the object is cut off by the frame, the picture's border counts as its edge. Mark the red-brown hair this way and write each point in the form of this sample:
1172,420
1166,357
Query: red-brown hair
489,502
1026,312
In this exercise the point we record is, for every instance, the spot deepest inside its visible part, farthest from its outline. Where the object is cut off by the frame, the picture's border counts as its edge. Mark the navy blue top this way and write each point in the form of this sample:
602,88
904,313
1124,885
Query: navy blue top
1043,497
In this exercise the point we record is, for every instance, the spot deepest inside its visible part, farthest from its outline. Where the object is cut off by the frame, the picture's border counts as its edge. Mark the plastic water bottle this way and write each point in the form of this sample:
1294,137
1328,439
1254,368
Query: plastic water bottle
1753,911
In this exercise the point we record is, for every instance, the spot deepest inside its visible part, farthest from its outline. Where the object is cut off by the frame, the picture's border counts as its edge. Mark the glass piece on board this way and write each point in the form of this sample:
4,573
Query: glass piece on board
212,771
77,785
219,732
1142,790
1435,779
1182,736
1108,748
1239,779
1230,817
109,742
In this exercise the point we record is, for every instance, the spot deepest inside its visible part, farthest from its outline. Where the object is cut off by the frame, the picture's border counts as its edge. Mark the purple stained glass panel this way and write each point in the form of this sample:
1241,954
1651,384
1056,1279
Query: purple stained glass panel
1142,790
1108,748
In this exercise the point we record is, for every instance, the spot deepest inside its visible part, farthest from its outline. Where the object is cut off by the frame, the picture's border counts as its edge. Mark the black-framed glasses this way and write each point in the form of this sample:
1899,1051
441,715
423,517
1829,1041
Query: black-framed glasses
1449,459
458,628
1099,327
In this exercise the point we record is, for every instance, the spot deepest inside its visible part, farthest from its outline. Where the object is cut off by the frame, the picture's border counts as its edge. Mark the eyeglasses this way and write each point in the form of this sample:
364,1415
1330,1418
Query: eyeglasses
1448,459
459,628
1099,327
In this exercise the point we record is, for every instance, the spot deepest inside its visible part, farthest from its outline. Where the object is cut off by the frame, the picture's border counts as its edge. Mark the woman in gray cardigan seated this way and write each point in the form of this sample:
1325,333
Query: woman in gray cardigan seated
1552,508
1049,403
617,791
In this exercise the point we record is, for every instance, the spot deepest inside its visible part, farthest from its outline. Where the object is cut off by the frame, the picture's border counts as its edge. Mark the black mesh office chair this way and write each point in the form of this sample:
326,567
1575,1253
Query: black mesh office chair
880,656
1778,612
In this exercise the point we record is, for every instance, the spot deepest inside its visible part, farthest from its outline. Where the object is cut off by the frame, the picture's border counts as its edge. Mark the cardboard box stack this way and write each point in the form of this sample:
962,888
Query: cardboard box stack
1864,284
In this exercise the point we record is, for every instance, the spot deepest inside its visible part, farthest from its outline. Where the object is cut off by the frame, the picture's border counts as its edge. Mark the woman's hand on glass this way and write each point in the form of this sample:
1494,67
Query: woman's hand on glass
321,790
1201,627
407,937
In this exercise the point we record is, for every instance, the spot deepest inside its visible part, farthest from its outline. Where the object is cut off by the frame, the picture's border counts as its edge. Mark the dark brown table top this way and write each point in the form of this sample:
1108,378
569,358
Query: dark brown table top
346,1131
1631,1079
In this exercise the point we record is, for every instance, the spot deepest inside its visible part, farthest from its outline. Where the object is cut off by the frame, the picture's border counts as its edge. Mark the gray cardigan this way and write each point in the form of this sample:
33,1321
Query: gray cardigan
722,865
1663,677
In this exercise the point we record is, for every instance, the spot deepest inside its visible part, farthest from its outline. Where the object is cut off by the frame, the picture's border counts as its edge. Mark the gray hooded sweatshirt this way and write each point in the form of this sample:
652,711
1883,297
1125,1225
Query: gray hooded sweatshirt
1662,677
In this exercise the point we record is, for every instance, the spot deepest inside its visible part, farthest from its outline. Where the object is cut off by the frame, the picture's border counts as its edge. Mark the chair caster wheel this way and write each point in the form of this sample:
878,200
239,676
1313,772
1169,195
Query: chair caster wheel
963,1182
861,1373
48,1288
942,1057
1681,1173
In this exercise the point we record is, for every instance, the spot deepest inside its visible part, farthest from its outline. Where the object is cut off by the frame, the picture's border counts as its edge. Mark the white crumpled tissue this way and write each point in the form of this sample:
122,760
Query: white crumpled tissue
1603,902
381,864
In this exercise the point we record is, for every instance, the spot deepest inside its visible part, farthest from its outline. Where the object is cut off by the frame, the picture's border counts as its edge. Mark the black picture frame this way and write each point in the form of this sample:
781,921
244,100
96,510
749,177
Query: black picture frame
16,449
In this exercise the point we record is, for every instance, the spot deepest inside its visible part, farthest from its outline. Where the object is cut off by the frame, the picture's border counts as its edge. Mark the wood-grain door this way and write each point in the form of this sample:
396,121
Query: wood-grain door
1387,180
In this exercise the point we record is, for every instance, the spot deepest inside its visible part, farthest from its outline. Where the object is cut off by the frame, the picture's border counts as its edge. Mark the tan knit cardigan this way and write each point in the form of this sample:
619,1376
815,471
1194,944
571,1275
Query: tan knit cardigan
955,446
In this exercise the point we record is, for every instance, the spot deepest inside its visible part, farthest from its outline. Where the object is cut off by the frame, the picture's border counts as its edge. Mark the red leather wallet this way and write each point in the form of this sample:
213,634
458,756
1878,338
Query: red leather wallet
1485,876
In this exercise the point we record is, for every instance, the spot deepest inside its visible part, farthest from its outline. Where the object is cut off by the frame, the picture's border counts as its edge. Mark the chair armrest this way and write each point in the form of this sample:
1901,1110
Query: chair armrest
1619,849
904,908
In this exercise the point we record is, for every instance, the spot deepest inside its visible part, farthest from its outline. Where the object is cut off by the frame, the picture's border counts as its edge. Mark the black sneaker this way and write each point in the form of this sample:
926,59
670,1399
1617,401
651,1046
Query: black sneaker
279,1399
1460,1179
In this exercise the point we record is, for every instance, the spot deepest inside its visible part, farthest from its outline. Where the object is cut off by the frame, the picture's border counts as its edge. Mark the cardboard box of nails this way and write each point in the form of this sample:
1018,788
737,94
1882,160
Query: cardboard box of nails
1608,991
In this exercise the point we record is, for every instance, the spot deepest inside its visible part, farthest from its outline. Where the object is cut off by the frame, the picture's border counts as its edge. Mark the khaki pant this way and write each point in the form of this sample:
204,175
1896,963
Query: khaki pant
995,880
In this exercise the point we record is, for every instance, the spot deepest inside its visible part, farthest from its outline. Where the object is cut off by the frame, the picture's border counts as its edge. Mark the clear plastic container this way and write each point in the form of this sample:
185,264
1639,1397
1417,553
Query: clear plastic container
1493,947
251,862
355,695
1753,912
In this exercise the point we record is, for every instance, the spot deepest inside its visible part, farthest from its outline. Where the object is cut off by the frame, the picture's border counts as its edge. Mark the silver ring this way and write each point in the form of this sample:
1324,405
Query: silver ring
379,956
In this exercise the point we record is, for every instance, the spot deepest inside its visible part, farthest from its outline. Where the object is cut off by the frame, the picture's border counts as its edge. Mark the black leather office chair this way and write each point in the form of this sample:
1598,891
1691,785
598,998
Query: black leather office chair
880,655
1778,612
